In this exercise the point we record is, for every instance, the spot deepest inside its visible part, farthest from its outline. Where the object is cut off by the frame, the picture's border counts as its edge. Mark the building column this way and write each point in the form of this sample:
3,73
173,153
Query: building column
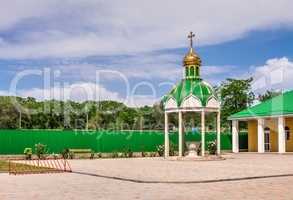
166,136
281,135
202,133
218,133
260,136
180,137
235,136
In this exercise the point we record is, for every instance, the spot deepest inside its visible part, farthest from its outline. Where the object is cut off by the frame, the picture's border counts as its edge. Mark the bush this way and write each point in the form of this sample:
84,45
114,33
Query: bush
199,149
115,154
71,155
161,149
128,153
99,155
55,156
41,150
92,155
212,147
28,153
65,153
172,149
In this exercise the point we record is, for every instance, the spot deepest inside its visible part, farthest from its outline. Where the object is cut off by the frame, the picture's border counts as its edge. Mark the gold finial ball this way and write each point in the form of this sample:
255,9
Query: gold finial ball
191,58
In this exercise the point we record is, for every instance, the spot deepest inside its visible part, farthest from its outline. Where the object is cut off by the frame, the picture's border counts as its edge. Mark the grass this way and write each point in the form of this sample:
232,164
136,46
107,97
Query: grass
23,168
4,166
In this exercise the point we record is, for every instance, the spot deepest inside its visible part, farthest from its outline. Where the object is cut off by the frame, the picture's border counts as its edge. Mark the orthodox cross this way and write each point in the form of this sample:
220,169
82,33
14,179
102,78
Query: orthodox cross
191,36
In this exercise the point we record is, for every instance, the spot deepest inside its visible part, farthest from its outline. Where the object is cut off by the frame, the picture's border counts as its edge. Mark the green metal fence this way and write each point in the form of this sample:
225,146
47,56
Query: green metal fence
14,141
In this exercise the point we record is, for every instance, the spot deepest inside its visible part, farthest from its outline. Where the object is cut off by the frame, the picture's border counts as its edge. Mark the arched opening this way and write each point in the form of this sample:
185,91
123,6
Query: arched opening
186,72
267,143
197,71
192,71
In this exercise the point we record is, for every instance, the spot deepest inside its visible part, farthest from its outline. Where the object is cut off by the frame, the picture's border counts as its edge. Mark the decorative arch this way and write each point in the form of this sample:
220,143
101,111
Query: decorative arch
171,104
213,103
191,102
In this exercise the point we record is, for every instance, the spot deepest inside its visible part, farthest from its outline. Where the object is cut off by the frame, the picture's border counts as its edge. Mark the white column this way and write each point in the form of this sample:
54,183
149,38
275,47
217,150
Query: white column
180,139
281,135
260,136
166,136
219,133
202,133
235,136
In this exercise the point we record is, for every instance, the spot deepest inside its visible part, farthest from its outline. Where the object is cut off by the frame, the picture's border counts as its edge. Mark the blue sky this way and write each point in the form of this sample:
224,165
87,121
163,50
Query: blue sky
138,49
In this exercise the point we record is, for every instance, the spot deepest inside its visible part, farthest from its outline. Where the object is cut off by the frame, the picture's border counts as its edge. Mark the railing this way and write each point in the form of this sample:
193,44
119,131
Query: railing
38,166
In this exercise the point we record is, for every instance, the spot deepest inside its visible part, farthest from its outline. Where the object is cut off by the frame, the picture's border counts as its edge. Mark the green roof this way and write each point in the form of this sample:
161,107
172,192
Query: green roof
187,87
279,105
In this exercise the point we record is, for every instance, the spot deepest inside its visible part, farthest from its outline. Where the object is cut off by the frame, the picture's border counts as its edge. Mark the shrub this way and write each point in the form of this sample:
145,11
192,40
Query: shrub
28,153
65,153
41,150
92,155
143,154
172,149
71,155
199,149
161,149
99,155
55,156
115,154
127,153
212,147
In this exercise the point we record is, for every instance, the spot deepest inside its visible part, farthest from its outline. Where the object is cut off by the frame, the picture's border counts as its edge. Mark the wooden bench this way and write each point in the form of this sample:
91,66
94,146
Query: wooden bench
81,152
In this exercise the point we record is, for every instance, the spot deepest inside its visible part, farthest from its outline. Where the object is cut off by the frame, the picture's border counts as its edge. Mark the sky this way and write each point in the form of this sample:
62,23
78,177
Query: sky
131,51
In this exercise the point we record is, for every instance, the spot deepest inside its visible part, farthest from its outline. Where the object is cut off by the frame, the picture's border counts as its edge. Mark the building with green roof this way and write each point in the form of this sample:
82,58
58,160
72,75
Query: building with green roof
269,125
191,94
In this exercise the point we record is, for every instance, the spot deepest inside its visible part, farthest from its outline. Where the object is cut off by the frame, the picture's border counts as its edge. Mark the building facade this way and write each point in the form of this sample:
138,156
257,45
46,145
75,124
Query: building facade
269,125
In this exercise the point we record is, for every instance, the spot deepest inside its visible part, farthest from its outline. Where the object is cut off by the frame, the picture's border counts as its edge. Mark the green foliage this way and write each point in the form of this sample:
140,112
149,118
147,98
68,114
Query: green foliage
92,155
28,153
65,153
236,95
161,149
212,147
268,95
128,153
70,115
71,155
55,156
115,154
40,150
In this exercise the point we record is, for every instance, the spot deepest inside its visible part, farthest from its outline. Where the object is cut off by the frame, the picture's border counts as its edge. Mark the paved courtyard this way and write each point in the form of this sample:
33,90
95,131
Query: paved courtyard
241,176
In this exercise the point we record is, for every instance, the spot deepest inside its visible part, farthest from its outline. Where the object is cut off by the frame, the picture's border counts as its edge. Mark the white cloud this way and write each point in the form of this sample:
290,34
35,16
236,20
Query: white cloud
83,91
96,27
276,74
161,66
75,92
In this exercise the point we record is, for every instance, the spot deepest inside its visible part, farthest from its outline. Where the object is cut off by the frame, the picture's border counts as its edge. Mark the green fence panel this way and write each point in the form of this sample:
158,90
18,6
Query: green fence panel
15,141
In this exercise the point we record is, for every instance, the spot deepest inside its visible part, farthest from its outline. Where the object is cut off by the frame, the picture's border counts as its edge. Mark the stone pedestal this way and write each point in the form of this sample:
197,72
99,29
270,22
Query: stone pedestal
192,148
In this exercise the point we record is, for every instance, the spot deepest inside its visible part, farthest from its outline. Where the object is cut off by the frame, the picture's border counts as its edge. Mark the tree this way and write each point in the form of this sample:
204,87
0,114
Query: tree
268,95
236,95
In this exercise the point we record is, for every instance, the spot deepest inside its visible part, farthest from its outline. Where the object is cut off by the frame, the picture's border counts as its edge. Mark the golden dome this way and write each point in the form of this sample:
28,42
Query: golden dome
191,58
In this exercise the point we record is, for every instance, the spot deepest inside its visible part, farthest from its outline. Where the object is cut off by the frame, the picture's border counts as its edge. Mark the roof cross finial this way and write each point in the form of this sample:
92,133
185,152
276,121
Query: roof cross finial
191,36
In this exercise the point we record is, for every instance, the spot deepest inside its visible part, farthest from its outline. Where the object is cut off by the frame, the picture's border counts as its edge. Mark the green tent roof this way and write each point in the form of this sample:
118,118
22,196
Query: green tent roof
187,87
279,105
